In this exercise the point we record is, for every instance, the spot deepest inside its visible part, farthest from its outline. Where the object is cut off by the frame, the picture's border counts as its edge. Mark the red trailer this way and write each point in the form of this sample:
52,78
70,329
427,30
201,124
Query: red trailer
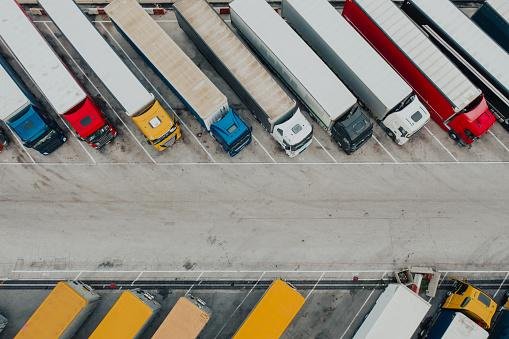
454,103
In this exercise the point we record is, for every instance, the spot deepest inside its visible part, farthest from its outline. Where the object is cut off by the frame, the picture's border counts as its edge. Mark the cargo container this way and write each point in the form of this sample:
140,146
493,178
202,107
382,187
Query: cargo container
62,313
493,18
397,313
50,76
20,112
128,317
389,98
276,111
329,102
473,51
194,89
453,325
500,329
185,321
273,314
453,102
158,127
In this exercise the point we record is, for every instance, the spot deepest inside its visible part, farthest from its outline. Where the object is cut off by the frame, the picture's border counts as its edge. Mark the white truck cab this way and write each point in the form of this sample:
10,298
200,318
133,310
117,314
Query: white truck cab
294,135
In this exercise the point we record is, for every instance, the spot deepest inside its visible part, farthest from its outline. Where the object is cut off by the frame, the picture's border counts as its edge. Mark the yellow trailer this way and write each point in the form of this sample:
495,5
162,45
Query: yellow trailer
273,313
186,319
62,312
128,317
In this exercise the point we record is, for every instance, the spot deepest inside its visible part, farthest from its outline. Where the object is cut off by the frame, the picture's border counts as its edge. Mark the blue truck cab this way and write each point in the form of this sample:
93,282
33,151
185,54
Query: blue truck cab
231,132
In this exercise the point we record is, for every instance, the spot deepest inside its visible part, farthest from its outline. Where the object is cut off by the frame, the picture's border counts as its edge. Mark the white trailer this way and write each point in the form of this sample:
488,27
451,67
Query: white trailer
389,98
454,325
397,313
260,92
328,100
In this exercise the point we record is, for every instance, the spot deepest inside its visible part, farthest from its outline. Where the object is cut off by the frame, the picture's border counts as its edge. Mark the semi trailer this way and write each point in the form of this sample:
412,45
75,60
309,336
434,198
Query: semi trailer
328,100
493,18
50,76
389,98
276,111
473,51
453,325
62,313
203,99
19,111
453,102
154,122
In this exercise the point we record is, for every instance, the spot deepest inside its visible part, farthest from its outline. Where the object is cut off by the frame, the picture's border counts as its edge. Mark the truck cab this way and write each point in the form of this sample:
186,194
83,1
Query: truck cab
353,131
158,127
472,302
405,119
295,134
231,132
90,125
36,131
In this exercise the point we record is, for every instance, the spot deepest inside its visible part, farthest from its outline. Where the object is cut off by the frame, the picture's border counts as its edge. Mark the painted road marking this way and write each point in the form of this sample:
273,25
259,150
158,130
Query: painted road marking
79,140
22,146
441,144
330,155
498,140
314,287
385,149
501,284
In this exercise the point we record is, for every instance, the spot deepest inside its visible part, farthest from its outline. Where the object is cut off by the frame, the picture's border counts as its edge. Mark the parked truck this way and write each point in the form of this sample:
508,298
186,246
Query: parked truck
62,313
473,51
493,18
328,100
454,103
3,323
273,314
276,111
500,329
158,127
453,325
389,98
203,99
49,75
128,317
397,313
186,319
21,114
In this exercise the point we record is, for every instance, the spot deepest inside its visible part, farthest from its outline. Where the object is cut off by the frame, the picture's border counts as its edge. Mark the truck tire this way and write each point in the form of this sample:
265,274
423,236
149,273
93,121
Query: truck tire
453,136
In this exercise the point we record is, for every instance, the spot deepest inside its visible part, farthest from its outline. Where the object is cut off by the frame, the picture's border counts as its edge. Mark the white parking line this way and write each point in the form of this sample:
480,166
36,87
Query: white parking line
357,314
314,287
21,143
79,141
157,91
330,155
136,279
263,148
99,92
441,144
236,309
197,281
385,149
501,284
499,141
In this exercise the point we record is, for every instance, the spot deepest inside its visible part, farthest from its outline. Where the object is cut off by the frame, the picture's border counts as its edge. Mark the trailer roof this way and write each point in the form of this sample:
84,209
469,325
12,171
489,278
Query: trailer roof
422,52
501,7
396,314
12,97
165,55
92,47
469,37
296,55
354,52
236,57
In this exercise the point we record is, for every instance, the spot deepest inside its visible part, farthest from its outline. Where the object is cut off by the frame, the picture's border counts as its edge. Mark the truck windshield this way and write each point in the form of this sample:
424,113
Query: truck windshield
484,299
44,139
166,135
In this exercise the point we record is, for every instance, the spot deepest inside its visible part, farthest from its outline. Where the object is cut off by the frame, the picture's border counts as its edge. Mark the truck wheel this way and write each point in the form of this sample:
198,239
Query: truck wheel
453,136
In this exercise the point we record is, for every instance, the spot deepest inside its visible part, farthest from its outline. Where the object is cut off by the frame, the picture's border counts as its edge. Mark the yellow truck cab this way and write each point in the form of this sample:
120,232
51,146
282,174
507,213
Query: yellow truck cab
158,127
471,301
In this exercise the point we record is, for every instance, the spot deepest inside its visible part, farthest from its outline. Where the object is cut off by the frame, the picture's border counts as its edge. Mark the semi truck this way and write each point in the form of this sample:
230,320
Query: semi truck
453,325
453,102
328,100
203,99
493,18
397,313
276,111
50,76
22,115
186,319
128,317
61,313
390,100
273,313
500,329
473,51
154,122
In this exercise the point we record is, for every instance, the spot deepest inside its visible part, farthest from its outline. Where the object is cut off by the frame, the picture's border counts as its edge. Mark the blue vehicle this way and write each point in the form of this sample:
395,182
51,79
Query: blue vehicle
200,96
18,111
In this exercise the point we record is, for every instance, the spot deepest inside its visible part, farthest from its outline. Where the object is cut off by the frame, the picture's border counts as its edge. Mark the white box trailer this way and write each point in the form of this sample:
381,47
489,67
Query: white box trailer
481,58
388,97
327,98
454,325
276,111
397,313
